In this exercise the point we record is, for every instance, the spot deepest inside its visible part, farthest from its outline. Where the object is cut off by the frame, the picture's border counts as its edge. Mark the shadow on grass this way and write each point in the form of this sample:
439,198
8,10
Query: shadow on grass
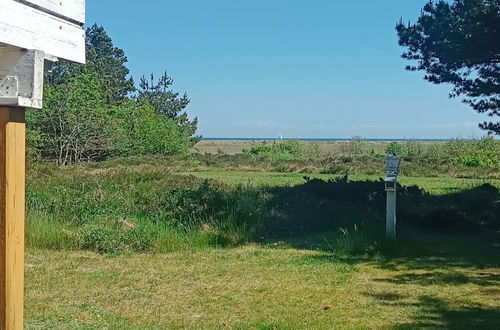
319,206
444,277
455,229
436,313
449,241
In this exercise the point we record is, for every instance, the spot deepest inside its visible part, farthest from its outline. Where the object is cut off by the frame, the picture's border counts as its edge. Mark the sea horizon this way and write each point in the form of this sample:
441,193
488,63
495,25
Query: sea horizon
322,139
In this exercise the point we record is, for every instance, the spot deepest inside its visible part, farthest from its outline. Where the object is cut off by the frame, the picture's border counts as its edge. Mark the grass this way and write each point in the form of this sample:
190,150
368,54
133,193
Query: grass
152,207
147,208
457,158
153,244
472,159
273,286
438,186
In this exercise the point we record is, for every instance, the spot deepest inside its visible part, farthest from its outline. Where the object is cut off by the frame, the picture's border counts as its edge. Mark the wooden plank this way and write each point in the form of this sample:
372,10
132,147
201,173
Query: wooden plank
73,10
25,27
12,209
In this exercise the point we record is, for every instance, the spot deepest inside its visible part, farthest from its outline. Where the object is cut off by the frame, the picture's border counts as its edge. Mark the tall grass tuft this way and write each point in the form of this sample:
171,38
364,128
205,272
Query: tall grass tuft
43,231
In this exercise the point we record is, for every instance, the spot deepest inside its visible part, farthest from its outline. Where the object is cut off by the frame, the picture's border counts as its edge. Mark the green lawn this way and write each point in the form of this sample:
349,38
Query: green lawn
425,280
273,286
432,185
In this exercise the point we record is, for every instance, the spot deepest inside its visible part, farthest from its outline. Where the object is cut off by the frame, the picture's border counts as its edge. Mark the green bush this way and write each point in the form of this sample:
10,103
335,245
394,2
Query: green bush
356,145
284,150
411,148
481,158
138,210
142,131
476,153
94,111
75,125
394,147
259,150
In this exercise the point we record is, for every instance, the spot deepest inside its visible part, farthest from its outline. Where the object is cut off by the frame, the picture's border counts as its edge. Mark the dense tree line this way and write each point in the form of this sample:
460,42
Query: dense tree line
94,111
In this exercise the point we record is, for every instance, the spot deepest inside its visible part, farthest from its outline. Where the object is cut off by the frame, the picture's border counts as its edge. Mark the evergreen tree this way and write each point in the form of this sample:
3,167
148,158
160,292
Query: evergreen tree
103,59
459,43
165,101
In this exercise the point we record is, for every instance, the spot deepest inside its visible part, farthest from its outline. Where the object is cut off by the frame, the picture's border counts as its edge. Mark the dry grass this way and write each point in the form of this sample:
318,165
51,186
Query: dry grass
261,287
232,147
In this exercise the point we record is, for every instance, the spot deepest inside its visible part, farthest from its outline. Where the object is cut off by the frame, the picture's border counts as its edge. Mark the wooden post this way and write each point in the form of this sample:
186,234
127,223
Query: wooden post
390,222
31,31
12,209
392,163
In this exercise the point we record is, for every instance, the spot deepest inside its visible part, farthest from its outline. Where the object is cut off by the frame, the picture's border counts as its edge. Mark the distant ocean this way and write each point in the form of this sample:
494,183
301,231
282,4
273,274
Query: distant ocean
319,139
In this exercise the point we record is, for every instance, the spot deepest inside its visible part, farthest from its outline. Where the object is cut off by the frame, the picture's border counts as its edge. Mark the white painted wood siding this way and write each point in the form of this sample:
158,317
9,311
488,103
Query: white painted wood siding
72,9
26,27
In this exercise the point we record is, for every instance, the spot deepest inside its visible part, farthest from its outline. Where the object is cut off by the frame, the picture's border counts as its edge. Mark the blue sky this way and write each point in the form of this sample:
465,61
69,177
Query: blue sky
313,69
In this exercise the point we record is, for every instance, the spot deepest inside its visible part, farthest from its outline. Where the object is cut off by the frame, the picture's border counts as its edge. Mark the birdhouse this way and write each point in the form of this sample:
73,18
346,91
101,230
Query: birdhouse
392,163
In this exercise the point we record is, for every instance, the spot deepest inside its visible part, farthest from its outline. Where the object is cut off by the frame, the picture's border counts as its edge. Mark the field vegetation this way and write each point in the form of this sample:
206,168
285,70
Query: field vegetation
460,158
283,235
166,203
253,242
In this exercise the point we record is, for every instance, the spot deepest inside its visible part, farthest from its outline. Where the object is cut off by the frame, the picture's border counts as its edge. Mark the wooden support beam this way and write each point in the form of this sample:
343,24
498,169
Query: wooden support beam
12,209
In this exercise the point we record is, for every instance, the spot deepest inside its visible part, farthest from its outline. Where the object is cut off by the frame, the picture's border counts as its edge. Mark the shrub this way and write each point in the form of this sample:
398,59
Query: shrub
134,210
142,131
312,151
138,205
478,153
411,148
481,158
284,150
356,145
100,239
75,124
394,147
259,150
